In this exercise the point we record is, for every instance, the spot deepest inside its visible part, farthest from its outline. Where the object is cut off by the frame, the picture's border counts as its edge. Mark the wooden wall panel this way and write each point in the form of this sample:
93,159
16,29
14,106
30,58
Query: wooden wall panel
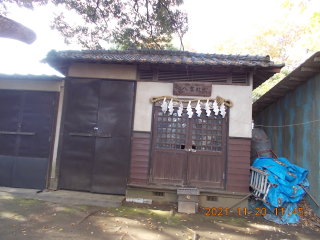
238,170
140,154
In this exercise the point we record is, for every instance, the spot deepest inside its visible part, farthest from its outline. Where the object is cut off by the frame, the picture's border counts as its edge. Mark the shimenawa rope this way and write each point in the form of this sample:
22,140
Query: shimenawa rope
220,100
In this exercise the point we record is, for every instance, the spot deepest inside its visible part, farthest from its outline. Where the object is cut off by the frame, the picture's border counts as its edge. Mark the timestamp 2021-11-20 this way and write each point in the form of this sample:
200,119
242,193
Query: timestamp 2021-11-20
255,212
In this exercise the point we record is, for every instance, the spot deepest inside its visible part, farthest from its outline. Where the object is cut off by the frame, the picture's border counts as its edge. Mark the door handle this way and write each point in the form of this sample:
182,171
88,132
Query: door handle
90,135
18,133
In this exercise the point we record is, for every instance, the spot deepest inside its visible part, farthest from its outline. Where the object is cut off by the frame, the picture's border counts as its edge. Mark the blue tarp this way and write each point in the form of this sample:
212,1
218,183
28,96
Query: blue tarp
285,192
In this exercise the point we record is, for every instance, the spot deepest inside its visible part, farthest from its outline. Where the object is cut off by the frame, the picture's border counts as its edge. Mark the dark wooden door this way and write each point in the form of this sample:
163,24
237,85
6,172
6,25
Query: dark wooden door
188,152
169,145
26,128
206,158
96,136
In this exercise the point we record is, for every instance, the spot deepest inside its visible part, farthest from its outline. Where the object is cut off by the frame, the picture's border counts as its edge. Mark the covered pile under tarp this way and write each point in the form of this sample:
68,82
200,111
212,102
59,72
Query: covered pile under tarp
285,191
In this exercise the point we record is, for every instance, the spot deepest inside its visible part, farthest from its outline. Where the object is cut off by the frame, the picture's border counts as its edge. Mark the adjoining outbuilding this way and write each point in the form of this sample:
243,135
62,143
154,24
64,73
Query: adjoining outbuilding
29,110
289,114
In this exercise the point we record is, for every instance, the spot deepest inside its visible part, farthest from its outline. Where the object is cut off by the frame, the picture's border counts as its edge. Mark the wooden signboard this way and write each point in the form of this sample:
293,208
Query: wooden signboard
192,89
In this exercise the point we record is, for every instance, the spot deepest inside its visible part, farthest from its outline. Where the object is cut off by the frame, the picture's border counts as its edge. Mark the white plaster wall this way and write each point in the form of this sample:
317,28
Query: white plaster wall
108,71
240,113
240,124
143,107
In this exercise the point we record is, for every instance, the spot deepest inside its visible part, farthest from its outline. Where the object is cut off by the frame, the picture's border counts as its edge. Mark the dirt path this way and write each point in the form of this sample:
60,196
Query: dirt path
31,219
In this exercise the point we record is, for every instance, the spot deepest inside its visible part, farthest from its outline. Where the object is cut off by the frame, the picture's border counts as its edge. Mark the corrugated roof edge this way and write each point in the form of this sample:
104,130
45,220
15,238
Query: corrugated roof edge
31,77
286,79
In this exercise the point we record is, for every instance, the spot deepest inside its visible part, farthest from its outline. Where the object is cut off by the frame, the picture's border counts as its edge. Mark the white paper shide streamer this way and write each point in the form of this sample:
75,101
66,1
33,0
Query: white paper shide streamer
215,108
180,110
164,106
207,107
198,109
222,110
189,110
170,107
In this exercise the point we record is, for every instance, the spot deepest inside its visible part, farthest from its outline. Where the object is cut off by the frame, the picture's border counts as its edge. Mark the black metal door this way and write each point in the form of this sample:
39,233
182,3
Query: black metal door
76,163
97,136
10,105
26,124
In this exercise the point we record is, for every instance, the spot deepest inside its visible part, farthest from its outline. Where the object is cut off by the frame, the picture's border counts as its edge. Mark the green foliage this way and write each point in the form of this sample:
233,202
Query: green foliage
295,5
123,23
315,20
137,24
264,87
30,4
285,38
277,39
313,42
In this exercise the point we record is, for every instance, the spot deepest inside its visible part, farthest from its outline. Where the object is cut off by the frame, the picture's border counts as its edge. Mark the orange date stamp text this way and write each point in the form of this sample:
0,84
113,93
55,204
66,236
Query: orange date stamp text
255,212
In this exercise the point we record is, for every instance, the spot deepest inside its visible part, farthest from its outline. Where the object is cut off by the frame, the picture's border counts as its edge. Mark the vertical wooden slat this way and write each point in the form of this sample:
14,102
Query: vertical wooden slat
239,158
208,168
140,158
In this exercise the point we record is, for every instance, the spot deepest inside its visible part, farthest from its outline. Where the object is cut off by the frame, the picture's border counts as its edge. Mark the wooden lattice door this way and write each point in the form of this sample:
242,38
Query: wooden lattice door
188,151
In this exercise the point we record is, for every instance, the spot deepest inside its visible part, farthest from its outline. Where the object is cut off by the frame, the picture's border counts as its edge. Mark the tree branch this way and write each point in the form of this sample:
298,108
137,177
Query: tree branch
172,19
151,26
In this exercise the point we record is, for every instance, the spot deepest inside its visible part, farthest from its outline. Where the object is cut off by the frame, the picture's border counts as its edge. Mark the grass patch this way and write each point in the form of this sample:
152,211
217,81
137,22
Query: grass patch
27,201
239,220
139,213
7,197
84,207
70,210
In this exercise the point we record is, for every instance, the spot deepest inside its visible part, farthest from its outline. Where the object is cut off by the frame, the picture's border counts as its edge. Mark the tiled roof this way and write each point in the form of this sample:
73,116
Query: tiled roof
30,77
260,65
300,75
161,57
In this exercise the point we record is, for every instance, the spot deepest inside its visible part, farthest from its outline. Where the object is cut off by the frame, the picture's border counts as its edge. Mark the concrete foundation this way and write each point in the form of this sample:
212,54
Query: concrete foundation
206,200
187,207
169,196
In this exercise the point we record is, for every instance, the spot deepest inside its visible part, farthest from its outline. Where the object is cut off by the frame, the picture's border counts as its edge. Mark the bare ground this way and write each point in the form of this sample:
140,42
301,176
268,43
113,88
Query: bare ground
32,219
